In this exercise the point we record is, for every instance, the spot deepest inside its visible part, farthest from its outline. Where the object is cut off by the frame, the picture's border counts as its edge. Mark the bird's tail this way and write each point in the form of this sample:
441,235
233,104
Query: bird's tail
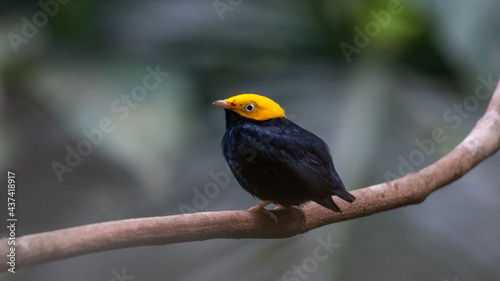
343,194
327,202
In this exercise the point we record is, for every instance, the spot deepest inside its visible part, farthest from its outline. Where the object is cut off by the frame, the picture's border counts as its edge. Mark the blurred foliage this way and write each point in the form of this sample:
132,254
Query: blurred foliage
371,107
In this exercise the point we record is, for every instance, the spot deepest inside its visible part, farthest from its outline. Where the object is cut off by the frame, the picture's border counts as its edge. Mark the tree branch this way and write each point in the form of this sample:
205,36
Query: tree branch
482,142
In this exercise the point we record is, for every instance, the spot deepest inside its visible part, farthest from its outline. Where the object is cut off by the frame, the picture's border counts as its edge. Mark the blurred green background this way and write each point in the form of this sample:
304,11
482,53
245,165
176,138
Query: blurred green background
372,78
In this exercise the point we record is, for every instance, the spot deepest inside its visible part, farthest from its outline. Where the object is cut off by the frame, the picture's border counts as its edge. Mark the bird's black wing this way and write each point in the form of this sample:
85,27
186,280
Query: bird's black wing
296,154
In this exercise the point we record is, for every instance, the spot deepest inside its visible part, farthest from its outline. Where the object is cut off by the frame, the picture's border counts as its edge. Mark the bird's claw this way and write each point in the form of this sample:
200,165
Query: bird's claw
262,207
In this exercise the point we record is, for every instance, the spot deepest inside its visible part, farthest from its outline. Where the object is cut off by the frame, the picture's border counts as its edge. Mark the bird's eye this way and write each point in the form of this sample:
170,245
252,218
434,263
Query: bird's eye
250,107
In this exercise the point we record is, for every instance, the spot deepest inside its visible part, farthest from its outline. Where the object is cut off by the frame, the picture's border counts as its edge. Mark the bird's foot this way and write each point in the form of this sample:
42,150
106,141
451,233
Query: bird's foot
281,207
262,207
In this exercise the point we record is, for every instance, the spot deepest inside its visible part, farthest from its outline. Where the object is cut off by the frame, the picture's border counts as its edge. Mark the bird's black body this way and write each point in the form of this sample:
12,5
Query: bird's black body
279,161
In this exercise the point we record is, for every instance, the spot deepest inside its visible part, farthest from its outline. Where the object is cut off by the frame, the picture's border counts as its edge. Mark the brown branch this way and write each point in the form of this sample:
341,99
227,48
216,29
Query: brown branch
482,142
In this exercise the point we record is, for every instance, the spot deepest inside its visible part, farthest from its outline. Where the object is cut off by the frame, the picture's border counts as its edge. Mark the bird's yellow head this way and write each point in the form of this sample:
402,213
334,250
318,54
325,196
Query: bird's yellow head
253,106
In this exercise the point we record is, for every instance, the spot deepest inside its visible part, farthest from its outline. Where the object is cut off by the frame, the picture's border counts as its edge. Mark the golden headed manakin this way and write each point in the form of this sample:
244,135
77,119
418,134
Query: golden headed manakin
276,160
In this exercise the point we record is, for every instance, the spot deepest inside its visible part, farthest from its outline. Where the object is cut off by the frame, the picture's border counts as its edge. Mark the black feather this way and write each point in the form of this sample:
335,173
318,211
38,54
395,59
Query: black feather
278,160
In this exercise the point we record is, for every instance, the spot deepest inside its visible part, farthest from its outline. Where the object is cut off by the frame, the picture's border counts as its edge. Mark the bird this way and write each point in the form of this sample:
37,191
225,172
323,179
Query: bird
275,159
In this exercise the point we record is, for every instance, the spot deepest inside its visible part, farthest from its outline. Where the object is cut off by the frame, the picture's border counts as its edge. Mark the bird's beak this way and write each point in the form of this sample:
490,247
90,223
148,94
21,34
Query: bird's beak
224,104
